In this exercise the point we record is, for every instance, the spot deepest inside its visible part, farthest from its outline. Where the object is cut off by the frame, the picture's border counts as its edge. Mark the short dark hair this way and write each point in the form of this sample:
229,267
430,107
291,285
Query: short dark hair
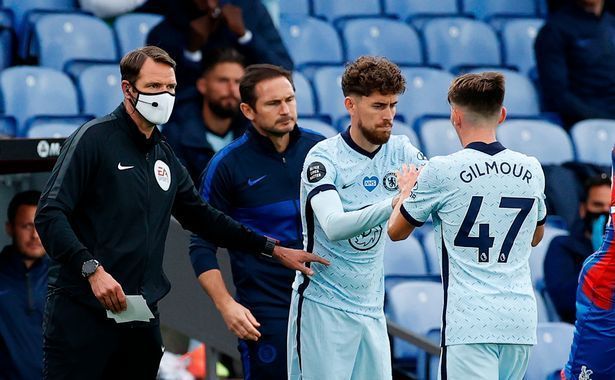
221,55
597,180
368,74
482,93
131,63
28,198
257,73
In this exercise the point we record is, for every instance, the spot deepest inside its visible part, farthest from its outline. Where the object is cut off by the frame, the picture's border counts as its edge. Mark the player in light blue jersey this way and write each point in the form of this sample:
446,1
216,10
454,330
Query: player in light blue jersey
337,328
488,210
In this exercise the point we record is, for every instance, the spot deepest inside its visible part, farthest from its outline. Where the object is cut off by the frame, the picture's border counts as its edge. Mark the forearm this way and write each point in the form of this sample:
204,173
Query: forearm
399,228
212,282
339,224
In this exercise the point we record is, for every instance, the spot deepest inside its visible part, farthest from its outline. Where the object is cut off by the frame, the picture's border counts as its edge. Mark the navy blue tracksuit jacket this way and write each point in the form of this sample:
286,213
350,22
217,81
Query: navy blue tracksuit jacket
259,188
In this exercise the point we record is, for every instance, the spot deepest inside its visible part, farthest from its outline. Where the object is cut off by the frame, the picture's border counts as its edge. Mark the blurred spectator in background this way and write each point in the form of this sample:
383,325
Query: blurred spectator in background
205,124
23,286
554,5
193,28
110,8
575,57
566,254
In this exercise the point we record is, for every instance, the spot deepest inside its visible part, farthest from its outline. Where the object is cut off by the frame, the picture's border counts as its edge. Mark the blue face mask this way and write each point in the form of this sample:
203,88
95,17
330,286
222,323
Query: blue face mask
597,224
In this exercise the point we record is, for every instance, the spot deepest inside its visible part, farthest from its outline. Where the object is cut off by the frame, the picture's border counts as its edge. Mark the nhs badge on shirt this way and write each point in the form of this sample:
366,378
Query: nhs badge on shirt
370,183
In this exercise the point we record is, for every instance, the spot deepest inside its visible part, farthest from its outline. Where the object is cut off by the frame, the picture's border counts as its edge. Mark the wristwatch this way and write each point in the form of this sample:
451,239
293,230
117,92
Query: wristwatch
89,267
269,247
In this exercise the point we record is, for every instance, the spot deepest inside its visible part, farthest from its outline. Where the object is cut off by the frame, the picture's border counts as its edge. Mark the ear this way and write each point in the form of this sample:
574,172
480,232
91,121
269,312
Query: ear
456,117
502,115
125,87
201,86
350,105
8,228
582,210
247,111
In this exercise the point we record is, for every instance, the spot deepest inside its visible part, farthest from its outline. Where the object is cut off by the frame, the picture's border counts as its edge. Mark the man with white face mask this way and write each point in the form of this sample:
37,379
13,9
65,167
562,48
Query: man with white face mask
103,219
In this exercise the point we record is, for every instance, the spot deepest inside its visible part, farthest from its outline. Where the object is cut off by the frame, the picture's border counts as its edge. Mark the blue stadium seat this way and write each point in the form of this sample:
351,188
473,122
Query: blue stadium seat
131,30
551,352
593,140
100,89
310,41
26,12
383,37
8,126
30,91
6,18
427,367
304,95
416,306
529,136
295,7
317,126
53,129
400,128
328,88
403,259
426,94
65,38
410,8
484,10
521,98
331,10
439,137
543,8
6,48
452,41
537,257
518,37
431,252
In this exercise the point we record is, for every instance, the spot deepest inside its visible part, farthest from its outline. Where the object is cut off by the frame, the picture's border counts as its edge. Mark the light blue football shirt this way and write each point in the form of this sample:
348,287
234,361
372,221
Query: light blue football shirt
354,282
485,202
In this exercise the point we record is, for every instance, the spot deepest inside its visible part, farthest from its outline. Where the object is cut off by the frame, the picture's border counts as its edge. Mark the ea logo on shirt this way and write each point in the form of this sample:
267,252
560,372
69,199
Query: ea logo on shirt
390,182
162,174
367,240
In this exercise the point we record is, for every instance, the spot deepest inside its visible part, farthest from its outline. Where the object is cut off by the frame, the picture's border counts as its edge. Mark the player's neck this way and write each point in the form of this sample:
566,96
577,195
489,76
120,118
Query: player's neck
469,136
361,141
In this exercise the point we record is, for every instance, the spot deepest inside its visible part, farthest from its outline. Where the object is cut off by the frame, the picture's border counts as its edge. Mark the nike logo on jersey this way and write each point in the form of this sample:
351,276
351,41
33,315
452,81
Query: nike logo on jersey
347,185
122,167
252,182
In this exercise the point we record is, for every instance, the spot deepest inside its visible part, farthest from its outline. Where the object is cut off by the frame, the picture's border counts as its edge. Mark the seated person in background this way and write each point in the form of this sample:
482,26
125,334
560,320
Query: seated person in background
575,56
566,254
207,123
193,28
23,286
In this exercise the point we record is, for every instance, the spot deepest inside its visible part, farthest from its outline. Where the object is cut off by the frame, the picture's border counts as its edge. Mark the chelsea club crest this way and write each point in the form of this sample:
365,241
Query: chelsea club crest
390,182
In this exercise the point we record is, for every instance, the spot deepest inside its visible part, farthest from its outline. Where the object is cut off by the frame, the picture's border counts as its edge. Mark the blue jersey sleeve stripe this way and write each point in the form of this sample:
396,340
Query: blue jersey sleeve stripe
215,162
409,217
319,189
542,222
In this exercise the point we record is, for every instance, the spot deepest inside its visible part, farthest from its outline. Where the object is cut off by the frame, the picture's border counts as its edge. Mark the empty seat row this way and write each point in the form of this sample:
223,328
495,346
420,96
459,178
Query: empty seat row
30,93
447,42
403,9
63,40
426,93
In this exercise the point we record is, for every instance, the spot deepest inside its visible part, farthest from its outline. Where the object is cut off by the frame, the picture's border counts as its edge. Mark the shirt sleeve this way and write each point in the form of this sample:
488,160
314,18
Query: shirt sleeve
318,174
69,178
212,225
339,224
216,191
540,194
412,154
425,197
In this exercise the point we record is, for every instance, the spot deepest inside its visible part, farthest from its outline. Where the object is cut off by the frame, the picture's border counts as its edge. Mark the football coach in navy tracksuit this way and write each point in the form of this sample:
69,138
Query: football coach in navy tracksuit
256,179
103,219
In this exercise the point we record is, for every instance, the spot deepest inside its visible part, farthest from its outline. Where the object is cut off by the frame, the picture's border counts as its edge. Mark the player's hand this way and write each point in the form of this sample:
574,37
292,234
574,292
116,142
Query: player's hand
406,179
240,321
200,30
108,291
234,19
296,259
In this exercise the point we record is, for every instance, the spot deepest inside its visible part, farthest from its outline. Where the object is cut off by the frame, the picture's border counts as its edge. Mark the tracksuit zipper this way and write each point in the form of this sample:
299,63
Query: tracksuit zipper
147,217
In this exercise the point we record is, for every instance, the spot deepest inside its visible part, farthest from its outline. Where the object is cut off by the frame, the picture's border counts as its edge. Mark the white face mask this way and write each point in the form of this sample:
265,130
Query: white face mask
155,108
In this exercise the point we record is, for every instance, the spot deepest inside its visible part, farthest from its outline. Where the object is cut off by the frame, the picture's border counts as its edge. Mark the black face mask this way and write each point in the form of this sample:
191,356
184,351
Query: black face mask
591,218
